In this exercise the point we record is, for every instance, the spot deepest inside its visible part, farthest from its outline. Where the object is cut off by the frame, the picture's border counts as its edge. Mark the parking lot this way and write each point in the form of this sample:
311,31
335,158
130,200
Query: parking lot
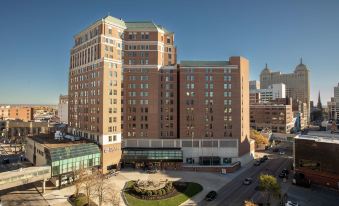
314,196
11,158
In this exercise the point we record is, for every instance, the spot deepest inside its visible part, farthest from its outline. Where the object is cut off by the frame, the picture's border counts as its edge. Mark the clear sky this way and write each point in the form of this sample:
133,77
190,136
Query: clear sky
36,37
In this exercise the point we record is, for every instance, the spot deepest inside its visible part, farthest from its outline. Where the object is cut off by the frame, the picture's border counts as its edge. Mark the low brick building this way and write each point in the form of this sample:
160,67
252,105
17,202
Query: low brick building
316,157
23,113
276,117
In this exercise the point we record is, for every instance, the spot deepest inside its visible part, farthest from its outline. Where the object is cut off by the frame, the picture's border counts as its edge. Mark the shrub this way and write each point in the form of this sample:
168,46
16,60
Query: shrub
143,192
137,190
149,193
159,192
163,191
155,192
170,184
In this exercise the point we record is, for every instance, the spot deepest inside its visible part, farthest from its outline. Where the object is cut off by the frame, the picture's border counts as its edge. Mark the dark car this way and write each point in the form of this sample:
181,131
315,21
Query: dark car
275,150
5,161
265,157
212,195
151,171
247,181
283,175
257,163
285,171
262,160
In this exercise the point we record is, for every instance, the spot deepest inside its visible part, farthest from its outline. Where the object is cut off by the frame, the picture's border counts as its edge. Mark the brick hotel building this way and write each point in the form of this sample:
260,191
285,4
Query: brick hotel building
127,93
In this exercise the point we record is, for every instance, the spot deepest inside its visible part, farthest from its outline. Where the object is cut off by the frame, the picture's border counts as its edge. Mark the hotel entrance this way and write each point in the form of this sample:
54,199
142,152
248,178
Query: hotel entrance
151,159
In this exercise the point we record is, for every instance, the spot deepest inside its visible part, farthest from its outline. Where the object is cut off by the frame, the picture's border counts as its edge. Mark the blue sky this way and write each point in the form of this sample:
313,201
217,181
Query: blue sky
36,37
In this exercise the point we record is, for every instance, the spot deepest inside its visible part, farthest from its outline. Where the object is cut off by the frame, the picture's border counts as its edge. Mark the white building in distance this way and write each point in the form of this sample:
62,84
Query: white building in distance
273,92
63,109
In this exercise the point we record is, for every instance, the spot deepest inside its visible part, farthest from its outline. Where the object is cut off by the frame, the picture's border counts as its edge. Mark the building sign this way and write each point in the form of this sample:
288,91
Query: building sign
112,148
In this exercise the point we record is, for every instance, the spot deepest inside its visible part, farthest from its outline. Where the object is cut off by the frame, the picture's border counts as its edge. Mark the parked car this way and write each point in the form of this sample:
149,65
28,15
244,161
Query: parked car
257,163
212,195
5,161
290,203
281,152
300,180
275,150
247,181
112,173
151,171
265,157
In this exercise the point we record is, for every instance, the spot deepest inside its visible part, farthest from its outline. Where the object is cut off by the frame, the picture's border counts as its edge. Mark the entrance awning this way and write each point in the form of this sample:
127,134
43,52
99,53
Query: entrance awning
137,154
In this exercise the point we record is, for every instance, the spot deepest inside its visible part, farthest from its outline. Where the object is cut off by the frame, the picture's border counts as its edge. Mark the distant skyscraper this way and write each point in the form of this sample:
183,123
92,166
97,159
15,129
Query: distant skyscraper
336,93
254,84
333,105
63,109
297,83
319,104
273,92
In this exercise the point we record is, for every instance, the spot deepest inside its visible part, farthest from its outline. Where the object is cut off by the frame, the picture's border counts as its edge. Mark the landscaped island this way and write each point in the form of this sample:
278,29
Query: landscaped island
159,193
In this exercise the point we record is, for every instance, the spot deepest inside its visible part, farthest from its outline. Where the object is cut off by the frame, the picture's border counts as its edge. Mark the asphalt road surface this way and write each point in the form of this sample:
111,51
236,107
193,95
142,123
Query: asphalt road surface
234,193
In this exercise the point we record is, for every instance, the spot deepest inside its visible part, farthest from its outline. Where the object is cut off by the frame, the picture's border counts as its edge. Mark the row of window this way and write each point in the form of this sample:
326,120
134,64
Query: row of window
134,86
133,101
207,70
134,78
134,94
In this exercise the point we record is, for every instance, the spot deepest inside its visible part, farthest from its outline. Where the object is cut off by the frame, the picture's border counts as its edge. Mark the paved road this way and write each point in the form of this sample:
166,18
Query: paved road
25,195
234,193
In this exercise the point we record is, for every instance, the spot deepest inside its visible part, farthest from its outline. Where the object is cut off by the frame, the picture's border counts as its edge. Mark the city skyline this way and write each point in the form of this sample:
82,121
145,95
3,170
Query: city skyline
278,34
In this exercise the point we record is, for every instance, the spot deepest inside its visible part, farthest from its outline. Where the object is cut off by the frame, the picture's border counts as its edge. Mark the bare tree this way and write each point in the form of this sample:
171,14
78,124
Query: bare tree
79,178
88,185
102,188
114,199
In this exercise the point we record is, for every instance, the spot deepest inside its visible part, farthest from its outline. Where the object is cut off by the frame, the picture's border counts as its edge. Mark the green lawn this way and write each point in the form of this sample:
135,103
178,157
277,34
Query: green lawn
192,189
80,201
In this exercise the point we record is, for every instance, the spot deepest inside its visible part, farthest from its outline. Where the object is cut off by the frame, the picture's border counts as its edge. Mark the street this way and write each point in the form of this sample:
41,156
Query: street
234,193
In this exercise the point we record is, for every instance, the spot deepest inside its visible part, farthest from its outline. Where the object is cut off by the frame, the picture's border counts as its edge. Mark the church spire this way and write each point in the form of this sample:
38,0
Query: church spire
301,60
319,105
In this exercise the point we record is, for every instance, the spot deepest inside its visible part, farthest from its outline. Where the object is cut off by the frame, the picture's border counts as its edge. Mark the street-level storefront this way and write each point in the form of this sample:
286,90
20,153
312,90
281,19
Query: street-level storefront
157,158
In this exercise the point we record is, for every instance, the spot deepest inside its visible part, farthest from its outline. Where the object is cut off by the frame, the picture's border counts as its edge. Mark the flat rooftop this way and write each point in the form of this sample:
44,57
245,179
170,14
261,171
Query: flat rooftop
49,142
320,136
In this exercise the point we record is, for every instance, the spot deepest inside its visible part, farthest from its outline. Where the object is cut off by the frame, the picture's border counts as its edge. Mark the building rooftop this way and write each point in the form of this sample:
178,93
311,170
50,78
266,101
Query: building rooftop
114,20
50,142
130,25
192,63
320,136
145,25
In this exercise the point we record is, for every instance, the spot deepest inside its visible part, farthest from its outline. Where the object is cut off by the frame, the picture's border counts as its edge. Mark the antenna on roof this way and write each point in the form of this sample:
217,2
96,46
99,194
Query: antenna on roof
266,66
301,60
